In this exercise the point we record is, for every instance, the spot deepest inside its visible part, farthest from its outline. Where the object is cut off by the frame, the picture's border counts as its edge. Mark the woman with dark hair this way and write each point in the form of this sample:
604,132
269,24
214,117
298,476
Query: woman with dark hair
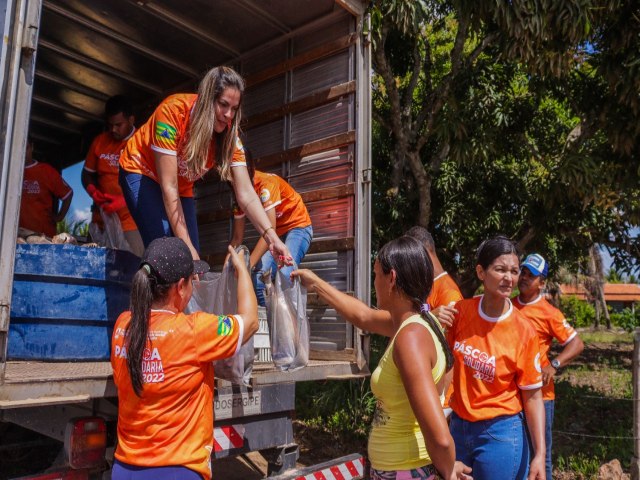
184,138
288,215
162,365
497,376
409,437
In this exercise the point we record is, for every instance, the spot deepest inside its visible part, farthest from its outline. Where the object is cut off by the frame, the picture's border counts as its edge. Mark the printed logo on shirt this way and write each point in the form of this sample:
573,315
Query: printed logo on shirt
31,187
239,145
566,324
264,195
111,159
225,326
474,358
164,131
152,371
536,363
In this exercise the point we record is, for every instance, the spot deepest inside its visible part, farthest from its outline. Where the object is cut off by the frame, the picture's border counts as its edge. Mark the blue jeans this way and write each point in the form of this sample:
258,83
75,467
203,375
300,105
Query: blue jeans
144,201
549,407
496,449
123,471
297,241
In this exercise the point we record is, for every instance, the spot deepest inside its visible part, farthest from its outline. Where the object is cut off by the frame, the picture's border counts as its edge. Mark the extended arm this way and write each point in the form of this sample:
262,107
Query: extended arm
237,232
250,203
64,208
570,351
534,414
247,303
261,247
352,309
167,168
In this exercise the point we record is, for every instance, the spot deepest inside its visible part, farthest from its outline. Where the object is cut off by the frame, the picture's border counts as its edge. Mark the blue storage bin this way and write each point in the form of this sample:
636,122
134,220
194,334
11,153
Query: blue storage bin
66,300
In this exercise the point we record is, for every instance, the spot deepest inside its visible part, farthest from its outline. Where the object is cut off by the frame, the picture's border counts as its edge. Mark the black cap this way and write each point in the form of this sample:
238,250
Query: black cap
170,260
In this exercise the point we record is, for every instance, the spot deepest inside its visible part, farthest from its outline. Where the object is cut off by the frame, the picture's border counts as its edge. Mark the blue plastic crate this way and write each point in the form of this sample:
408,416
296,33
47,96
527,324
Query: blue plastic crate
66,300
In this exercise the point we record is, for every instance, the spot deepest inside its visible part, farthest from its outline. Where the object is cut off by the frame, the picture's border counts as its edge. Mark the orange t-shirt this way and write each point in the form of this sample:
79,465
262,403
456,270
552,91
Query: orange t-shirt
42,187
102,159
275,192
444,291
495,358
164,133
549,323
172,422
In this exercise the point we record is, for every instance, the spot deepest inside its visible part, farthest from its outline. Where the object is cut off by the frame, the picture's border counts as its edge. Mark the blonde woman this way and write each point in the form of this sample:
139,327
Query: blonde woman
186,136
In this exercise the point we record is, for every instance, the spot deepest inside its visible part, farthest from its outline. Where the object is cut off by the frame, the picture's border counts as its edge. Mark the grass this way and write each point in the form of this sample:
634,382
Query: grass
594,410
593,413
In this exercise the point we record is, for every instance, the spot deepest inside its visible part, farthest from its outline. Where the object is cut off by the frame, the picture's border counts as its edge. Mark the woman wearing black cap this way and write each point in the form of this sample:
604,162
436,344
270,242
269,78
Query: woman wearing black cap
162,368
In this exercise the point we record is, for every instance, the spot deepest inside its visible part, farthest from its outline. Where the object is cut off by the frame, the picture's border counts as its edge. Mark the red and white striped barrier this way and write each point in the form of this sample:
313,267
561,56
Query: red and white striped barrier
342,471
228,437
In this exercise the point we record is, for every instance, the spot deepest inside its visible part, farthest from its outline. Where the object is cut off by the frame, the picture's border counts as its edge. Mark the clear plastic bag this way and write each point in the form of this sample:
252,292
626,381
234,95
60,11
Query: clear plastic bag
288,323
236,369
217,293
113,235
204,293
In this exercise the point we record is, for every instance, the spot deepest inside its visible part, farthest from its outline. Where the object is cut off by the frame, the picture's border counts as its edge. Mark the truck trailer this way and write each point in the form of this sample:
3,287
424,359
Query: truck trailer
306,117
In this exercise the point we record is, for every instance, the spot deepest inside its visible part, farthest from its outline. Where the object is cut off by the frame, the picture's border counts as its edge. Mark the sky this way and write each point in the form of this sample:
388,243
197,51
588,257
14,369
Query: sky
80,209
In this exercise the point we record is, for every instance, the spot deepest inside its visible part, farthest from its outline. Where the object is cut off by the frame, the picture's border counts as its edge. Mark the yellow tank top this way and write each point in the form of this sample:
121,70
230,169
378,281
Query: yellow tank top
396,441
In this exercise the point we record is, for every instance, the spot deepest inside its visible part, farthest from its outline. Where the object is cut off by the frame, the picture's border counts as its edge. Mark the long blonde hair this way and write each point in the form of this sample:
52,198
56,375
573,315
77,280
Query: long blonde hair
200,130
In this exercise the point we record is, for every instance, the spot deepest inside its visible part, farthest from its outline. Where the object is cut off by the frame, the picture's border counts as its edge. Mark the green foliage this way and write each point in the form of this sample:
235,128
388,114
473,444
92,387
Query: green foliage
342,408
578,312
77,229
626,319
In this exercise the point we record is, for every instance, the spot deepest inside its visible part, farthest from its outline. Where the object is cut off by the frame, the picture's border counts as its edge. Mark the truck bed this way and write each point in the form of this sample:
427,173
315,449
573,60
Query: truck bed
31,384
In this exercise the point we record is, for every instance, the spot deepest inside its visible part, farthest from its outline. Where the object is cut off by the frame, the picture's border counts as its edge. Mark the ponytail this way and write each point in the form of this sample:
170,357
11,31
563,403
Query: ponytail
435,326
144,290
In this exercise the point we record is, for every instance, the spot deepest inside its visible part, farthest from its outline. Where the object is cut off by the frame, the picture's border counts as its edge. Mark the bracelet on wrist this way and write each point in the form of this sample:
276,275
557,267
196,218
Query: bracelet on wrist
264,234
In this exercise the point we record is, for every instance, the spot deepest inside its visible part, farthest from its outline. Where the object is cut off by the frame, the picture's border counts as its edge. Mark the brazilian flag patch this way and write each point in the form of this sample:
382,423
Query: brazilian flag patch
165,132
225,326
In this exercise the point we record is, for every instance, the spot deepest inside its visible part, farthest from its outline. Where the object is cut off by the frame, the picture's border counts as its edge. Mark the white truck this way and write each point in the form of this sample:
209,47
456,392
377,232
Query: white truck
307,118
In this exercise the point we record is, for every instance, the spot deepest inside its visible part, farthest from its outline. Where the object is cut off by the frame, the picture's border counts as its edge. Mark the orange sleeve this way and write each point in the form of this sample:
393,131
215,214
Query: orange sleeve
528,371
561,329
168,121
270,192
238,159
217,336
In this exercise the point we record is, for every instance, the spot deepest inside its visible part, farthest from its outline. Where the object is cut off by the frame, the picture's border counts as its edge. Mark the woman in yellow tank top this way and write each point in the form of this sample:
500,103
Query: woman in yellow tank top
409,437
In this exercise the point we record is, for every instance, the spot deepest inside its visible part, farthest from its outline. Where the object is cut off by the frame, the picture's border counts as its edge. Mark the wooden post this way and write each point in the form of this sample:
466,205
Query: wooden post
635,460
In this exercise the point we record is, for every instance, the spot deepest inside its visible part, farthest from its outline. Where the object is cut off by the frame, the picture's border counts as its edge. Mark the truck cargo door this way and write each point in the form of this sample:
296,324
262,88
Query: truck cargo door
20,23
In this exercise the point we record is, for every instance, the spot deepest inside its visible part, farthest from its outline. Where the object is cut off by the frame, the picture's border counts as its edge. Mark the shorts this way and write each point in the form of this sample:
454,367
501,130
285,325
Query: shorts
427,472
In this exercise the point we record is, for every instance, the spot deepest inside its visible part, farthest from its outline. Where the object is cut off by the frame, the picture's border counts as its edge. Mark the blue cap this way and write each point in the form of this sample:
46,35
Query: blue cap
536,265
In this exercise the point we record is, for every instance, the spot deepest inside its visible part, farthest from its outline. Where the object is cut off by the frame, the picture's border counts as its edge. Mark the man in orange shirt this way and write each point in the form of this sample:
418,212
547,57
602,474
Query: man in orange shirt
100,173
445,293
288,215
549,323
42,189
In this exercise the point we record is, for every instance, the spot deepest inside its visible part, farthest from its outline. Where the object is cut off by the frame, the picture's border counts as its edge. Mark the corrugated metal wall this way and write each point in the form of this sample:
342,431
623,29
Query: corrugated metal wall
333,166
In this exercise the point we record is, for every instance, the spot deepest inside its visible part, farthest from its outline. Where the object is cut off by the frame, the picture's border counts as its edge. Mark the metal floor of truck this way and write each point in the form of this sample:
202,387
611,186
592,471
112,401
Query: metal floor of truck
51,383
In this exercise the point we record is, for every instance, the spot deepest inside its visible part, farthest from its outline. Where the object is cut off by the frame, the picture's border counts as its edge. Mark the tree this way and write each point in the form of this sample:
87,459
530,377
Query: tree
488,118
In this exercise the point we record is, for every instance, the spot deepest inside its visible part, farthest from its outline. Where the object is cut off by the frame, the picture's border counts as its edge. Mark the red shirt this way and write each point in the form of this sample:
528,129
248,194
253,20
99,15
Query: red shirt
549,323
172,422
495,358
102,159
42,187
165,132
